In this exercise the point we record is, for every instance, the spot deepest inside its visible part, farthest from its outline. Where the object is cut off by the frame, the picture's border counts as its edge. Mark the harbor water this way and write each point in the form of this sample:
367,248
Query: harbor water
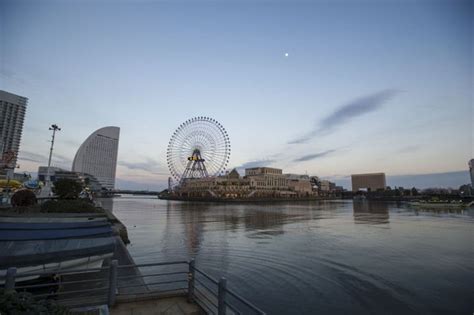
326,257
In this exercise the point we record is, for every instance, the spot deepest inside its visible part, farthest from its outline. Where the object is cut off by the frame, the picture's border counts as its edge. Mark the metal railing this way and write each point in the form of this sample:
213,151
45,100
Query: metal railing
122,283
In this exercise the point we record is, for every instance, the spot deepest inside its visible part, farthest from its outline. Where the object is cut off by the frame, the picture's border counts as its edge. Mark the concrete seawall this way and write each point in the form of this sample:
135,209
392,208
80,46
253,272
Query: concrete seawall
117,226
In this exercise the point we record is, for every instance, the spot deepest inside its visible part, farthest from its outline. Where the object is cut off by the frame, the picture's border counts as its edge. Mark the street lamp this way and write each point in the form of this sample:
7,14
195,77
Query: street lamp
54,128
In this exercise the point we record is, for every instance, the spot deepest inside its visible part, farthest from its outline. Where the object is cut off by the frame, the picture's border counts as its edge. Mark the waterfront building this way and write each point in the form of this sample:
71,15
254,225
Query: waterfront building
369,182
43,173
261,182
315,183
12,116
300,184
56,173
302,187
97,156
325,185
263,171
266,178
231,185
471,172
297,176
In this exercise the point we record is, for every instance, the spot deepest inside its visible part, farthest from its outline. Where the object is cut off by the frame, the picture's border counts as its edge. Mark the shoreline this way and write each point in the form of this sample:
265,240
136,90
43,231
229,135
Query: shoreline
249,200
304,199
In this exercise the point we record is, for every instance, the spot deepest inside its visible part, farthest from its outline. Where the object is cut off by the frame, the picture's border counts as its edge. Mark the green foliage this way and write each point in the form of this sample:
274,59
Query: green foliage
23,198
23,303
67,188
73,206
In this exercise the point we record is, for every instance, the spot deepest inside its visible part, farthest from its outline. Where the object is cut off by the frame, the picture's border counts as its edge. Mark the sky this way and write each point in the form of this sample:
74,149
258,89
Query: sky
327,88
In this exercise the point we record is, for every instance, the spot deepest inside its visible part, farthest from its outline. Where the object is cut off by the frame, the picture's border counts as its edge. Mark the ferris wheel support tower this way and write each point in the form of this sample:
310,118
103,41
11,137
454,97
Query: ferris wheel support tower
196,167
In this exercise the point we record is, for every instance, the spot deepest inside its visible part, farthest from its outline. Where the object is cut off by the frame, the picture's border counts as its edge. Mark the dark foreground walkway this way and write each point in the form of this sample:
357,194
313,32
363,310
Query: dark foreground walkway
173,305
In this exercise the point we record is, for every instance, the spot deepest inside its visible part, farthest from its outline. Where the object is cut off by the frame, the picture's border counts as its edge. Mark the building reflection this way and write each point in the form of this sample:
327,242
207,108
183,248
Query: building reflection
264,220
206,235
192,221
370,212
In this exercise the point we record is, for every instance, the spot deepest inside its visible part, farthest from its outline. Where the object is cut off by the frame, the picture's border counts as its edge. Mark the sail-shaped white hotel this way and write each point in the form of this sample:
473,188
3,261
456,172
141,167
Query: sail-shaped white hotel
97,156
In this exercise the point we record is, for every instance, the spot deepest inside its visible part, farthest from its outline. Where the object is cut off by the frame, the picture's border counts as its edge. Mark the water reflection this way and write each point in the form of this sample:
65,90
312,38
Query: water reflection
193,227
314,257
370,212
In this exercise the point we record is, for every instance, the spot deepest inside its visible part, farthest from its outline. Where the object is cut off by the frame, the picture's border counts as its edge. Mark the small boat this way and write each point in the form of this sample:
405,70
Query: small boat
53,255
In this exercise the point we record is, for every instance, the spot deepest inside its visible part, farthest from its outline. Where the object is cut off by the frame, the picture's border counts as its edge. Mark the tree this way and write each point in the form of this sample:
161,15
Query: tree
23,198
67,188
414,191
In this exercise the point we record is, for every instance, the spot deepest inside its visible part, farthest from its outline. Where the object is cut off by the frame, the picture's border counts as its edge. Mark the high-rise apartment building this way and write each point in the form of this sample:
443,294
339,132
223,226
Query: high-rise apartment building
12,116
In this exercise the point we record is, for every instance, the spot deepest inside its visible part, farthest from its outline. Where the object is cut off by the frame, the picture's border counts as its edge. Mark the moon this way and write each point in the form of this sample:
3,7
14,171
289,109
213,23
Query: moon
286,54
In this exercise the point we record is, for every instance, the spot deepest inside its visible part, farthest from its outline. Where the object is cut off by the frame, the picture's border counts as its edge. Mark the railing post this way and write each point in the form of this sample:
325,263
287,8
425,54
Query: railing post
112,281
221,297
191,275
10,280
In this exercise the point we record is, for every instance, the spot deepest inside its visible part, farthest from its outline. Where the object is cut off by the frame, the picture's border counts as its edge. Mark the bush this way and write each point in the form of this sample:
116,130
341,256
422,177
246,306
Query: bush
23,198
23,303
73,206
67,188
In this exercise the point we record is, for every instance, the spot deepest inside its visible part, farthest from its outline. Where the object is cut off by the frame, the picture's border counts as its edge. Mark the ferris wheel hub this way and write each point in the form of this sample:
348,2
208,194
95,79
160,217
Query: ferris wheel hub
196,156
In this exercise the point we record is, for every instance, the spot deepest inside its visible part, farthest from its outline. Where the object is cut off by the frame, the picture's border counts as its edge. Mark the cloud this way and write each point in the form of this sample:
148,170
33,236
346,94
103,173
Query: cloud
314,156
149,165
72,143
32,157
348,112
57,159
256,163
409,149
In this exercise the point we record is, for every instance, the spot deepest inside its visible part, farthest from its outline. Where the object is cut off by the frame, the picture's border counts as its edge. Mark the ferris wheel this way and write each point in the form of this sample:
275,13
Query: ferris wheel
200,147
